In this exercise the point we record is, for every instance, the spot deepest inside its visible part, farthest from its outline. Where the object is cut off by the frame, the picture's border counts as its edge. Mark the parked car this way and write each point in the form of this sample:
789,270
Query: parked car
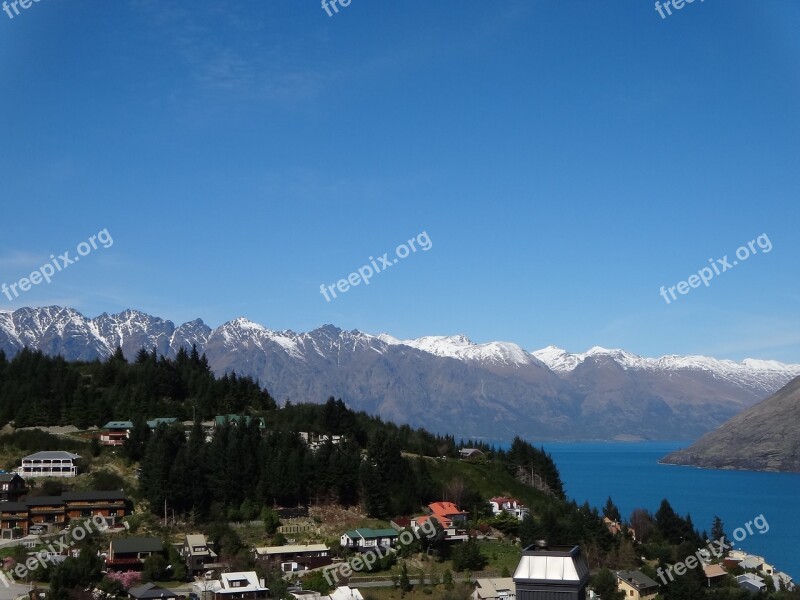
37,530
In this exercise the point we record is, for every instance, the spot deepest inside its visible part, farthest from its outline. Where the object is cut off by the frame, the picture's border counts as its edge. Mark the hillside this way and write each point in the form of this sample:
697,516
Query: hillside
764,438
494,390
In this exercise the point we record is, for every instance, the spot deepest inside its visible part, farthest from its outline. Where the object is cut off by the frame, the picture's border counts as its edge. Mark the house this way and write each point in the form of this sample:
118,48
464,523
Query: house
636,585
129,554
782,579
449,517
112,506
752,583
47,510
344,592
545,572
12,486
512,506
13,519
232,586
49,463
448,511
150,591
713,573
235,420
364,539
115,433
470,453
315,440
154,423
196,553
298,557
495,588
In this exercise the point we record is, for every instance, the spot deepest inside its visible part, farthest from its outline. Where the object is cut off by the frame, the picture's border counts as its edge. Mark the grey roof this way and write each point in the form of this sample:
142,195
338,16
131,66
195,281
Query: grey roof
44,500
7,477
150,590
15,506
751,562
637,579
118,425
93,496
137,544
51,455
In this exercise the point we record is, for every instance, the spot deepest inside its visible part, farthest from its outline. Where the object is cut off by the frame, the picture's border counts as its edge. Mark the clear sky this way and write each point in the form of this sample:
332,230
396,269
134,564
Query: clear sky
566,159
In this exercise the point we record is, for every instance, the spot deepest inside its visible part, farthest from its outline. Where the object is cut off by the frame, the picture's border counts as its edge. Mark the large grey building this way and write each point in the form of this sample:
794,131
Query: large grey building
551,573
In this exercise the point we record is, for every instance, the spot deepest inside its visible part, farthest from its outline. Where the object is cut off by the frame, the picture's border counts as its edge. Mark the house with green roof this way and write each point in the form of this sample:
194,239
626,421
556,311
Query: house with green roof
154,423
365,538
235,420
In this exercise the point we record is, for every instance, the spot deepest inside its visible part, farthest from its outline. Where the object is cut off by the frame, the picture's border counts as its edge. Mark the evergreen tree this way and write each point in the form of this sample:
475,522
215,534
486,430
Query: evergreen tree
717,530
611,511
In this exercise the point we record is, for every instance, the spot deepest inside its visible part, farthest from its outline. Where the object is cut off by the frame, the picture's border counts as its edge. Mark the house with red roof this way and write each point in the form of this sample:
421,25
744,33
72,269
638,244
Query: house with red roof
449,516
511,506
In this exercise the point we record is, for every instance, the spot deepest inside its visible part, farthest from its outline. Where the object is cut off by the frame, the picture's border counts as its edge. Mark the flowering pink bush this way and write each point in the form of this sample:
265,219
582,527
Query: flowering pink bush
127,579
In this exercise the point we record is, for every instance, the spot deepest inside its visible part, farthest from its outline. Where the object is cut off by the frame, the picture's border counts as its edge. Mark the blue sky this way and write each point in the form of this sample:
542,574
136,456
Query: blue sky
566,159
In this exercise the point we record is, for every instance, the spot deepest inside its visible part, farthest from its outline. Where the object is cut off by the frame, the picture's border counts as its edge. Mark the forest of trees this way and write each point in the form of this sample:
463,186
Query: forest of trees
36,389
372,467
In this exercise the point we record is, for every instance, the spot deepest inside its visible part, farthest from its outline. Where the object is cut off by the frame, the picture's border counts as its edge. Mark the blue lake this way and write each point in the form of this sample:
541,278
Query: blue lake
631,475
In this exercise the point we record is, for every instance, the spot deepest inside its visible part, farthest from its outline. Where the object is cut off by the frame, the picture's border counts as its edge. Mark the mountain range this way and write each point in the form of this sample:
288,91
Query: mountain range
444,383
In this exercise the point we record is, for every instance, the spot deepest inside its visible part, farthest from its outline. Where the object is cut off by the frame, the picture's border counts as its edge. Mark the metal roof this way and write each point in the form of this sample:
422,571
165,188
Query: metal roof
51,455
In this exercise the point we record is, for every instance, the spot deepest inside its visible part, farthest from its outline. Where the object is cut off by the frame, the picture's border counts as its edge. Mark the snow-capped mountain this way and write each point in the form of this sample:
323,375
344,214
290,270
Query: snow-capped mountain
444,383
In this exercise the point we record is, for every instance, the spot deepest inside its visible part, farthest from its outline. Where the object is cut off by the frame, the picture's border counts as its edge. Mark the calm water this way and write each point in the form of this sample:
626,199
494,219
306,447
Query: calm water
631,475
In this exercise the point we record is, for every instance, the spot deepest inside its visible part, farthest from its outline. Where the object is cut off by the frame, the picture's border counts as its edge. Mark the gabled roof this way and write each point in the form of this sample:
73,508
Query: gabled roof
13,506
153,423
445,522
370,534
445,509
750,579
45,501
253,584
489,588
751,562
93,496
118,425
51,455
8,477
149,591
344,592
637,579
712,571
292,549
137,544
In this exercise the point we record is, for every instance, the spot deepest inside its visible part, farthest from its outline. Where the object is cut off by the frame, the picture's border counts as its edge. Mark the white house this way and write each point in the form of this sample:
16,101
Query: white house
362,539
751,583
512,506
49,463
244,585
495,588
344,592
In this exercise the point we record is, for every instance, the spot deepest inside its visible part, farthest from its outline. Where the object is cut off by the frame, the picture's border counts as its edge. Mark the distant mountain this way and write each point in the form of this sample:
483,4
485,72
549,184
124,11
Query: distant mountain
443,383
764,437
